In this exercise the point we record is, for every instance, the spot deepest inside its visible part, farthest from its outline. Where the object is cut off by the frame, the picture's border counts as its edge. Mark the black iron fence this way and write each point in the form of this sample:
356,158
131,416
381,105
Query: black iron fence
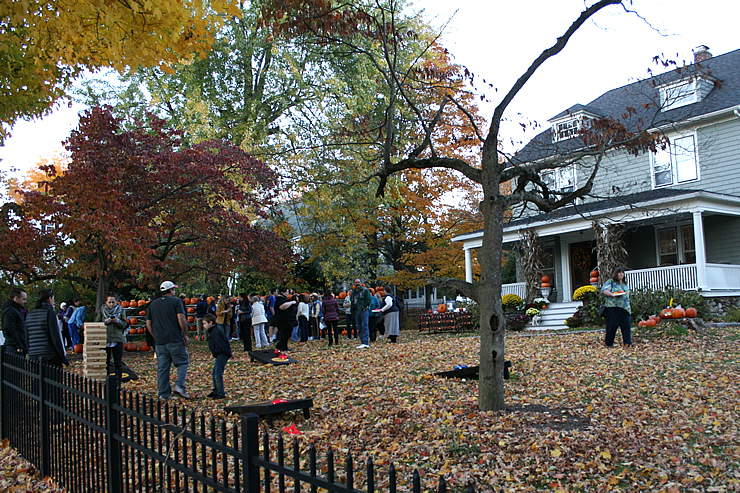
92,437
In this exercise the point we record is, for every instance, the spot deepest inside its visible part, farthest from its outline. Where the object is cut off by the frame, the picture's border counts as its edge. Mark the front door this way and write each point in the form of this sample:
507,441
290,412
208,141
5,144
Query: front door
583,260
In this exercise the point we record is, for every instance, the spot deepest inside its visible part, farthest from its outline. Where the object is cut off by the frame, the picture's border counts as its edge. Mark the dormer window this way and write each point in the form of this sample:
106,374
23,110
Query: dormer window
684,92
570,124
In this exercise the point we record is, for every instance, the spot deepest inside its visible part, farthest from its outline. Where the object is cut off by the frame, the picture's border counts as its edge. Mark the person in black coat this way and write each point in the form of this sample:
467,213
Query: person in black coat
220,348
45,332
286,316
14,323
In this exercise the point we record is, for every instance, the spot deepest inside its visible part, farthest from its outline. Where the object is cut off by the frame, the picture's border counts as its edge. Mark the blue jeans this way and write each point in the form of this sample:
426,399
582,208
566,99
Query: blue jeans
303,328
362,319
74,333
173,353
218,374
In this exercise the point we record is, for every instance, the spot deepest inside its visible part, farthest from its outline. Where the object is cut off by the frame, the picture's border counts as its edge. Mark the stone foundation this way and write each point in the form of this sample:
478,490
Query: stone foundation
720,306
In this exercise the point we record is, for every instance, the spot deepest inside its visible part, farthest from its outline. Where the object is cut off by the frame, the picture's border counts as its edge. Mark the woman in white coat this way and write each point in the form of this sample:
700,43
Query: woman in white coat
390,312
259,321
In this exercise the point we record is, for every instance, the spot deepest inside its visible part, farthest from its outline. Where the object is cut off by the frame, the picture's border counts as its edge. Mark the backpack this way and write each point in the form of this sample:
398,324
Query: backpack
399,303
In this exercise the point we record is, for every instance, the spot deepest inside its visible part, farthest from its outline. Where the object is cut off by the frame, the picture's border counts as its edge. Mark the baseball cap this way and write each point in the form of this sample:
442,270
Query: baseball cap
63,305
167,285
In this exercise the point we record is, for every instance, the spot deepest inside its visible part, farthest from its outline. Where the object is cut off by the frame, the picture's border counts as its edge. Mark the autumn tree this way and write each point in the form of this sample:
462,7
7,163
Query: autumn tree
142,203
46,45
377,21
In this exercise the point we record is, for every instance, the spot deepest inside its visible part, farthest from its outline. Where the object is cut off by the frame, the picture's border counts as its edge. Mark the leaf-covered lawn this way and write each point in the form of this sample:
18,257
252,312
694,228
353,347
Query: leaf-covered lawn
661,416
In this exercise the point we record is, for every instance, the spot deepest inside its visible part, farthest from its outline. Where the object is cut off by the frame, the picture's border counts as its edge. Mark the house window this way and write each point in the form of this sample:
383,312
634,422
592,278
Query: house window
667,247
568,129
676,163
676,245
561,179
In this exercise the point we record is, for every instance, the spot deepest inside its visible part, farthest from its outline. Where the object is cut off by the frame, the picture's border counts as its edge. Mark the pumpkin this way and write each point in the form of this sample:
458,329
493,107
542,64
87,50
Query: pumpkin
430,311
142,330
594,273
142,303
372,291
545,279
133,321
678,313
655,317
142,313
594,280
124,304
691,312
342,295
143,346
641,323
442,308
192,328
194,301
210,298
666,313
78,348
545,285
191,310
344,332
650,322
191,319
133,303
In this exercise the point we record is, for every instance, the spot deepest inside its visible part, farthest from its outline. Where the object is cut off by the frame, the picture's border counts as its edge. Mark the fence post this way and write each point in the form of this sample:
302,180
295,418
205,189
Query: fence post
2,385
44,415
250,449
113,428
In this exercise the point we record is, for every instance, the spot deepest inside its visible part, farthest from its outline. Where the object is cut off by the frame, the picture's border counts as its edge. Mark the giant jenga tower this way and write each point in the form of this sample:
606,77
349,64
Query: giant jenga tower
93,354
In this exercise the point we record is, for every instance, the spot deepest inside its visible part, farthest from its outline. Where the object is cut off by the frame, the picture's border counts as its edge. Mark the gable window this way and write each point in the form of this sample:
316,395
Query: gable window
567,129
676,163
560,179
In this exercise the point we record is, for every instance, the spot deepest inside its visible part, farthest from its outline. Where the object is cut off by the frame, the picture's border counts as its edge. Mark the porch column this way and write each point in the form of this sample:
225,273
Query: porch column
565,270
468,265
701,254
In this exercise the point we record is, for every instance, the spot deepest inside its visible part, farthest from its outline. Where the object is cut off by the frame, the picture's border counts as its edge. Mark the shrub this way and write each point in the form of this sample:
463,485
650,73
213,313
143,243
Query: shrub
519,322
573,322
511,300
645,301
582,293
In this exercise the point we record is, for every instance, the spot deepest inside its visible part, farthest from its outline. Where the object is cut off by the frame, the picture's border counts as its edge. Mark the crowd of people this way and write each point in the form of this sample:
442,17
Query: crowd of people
276,318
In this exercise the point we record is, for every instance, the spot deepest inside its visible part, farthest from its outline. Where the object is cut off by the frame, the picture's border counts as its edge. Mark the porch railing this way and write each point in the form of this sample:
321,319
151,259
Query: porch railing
518,288
723,276
678,276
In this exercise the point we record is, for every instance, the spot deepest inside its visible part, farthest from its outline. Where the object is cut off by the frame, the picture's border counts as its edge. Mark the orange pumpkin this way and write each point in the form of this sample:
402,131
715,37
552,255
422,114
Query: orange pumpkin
344,332
342,295
142,303
133,321
124,304
191,310
678,313
594,273
691,312
142,313
78,348
666,313
372,291
545,279
430,311
655,317
194,301
143,346
594,280
442,308
545,285
133,303
650,322
191,319
641,323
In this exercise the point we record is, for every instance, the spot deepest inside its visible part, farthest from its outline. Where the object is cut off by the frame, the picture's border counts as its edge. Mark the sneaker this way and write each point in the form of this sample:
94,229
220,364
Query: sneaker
212,395
363,346
181,393
219,396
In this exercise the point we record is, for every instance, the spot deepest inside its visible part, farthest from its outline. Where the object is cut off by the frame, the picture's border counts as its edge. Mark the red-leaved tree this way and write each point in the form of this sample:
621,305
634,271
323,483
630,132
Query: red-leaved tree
139,204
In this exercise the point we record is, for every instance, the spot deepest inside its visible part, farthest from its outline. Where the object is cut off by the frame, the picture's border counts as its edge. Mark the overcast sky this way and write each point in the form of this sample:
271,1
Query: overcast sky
497,40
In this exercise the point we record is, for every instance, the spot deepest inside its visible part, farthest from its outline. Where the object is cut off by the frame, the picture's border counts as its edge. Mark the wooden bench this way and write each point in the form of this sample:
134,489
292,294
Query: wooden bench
470,372
268,408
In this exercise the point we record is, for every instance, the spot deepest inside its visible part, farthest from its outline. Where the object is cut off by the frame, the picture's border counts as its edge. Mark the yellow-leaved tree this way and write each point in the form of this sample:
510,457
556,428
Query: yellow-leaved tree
45,44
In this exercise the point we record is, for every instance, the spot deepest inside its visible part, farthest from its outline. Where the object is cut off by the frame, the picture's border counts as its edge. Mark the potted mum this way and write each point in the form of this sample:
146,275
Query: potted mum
511,302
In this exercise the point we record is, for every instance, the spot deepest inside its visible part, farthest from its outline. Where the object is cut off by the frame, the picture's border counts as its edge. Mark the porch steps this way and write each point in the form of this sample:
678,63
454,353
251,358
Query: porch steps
553,317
